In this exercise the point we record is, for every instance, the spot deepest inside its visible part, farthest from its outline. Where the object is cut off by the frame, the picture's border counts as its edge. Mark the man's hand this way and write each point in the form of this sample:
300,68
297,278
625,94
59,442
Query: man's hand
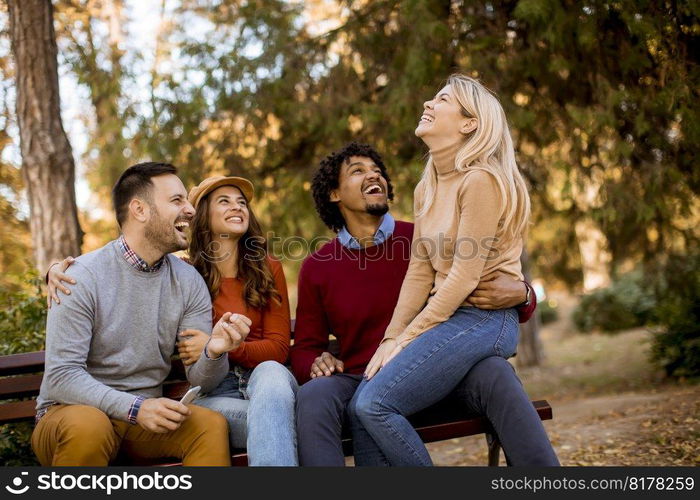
54,276
229,333
326,365
191,345
161,415
498,291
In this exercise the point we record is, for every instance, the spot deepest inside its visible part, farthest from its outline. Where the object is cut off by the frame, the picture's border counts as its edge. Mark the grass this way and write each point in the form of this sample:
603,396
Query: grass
593,364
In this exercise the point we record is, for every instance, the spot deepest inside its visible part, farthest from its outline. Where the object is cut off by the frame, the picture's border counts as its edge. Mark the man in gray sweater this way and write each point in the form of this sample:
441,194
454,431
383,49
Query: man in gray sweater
108,346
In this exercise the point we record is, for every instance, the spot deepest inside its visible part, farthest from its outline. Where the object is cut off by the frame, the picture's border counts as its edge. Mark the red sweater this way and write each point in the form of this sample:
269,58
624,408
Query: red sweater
351,294
270,330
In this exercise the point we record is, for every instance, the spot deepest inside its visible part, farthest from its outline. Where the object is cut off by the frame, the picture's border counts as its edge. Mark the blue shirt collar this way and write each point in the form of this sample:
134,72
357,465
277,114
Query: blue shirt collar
385,229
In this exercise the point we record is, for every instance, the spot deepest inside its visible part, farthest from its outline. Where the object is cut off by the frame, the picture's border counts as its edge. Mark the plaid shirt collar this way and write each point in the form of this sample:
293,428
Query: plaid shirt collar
137,262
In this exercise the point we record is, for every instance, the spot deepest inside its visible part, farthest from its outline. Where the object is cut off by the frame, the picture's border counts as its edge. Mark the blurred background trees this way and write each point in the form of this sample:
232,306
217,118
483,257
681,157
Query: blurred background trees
601,96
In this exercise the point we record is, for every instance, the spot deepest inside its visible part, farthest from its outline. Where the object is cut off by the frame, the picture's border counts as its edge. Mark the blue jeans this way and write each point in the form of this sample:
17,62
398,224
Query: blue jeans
425,372
259,407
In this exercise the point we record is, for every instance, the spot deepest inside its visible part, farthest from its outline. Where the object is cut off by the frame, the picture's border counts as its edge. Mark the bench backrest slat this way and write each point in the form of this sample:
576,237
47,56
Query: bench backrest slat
17,387
28,362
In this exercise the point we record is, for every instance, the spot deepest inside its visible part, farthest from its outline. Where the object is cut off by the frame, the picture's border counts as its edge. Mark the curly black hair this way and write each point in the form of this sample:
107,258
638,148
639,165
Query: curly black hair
327,177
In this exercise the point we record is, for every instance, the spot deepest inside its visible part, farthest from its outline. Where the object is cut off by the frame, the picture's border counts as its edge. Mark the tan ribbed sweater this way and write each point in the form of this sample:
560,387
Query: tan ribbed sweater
456,243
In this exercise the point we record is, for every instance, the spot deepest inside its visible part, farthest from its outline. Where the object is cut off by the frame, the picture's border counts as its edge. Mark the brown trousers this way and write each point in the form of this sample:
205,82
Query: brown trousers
84,435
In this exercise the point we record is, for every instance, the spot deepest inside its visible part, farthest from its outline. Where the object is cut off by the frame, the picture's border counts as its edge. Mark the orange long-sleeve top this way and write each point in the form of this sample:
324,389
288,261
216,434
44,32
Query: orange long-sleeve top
270,330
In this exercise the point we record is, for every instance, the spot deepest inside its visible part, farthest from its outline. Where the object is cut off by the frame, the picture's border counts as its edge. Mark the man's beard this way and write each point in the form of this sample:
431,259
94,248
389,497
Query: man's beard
377,209
161,234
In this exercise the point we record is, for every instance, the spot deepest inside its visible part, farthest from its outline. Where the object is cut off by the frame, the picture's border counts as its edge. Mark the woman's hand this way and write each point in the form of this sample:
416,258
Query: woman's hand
54,276
228,334
191,345
385,353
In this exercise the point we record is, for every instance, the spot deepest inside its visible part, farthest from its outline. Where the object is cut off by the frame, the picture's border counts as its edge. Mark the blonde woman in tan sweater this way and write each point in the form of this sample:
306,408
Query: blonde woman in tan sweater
471,209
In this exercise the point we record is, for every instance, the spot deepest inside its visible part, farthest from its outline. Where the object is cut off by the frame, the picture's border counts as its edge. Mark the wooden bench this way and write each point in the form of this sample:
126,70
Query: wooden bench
21,375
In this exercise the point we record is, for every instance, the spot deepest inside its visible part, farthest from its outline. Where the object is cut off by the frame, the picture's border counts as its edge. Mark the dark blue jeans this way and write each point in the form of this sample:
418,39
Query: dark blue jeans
322,419
424,373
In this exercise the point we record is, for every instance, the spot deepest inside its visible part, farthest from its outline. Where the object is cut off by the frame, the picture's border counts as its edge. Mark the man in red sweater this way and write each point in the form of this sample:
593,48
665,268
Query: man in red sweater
349,288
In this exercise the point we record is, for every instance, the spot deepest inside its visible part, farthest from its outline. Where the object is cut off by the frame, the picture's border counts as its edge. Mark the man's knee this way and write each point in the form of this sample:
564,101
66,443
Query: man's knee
204,438
318,397
363,406
494,373
491,382
205,421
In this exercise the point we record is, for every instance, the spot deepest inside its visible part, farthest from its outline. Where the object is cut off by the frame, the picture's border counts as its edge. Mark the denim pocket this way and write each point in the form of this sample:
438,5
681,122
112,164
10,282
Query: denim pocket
226,387
512,316
507,341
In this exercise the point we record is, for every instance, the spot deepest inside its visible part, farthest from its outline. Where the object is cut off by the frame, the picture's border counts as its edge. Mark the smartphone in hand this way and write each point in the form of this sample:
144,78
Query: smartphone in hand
190,395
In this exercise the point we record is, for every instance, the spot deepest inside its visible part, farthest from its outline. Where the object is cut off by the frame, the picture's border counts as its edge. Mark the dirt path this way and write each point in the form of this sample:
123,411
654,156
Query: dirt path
659,427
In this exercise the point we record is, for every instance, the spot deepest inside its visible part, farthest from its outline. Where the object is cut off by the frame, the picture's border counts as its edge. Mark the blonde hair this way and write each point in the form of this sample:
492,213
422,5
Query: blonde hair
488,148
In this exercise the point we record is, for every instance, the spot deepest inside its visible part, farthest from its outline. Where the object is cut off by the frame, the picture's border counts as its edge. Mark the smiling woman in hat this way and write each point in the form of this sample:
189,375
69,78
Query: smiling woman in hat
228,249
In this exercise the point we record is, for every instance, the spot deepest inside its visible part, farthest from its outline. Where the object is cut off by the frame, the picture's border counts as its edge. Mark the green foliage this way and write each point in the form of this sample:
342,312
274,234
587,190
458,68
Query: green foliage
23,318
22,329
665,297
676,347
627,303
15,444
548,311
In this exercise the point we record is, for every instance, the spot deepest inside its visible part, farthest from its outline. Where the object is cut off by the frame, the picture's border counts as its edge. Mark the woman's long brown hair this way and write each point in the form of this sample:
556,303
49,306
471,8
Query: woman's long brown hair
253,268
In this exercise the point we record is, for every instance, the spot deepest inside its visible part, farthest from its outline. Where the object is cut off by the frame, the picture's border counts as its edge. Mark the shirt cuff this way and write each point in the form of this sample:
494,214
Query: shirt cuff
405,338
387,338
529,293
206,354
134,409
526,311
391,334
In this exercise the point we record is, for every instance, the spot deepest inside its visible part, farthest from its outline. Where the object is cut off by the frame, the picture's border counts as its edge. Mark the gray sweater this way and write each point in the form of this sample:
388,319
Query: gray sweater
111,339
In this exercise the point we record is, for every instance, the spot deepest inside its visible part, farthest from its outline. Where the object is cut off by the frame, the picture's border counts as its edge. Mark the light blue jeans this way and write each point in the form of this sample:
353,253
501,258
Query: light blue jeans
426,371
259,407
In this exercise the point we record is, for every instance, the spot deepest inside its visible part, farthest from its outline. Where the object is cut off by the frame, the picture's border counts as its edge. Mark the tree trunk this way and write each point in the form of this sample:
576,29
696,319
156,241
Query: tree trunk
530,352
595,257
47,158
